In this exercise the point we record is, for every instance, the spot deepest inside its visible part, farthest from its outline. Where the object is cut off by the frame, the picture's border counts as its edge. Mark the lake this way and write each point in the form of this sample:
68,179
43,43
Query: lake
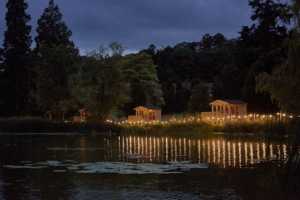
140,167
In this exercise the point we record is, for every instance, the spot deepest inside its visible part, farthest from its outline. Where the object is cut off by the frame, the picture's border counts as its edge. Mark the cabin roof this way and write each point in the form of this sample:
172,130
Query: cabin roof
229,101
147,108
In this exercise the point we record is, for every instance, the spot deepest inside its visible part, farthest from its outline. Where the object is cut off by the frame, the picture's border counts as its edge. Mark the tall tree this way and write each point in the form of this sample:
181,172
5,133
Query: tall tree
140,73
2,83
262,48
99,85
270,19
296,14
284,81
56,59
17,51
52,30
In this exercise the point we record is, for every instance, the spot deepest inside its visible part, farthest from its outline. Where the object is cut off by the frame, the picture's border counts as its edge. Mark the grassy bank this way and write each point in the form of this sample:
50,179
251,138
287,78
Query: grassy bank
277,129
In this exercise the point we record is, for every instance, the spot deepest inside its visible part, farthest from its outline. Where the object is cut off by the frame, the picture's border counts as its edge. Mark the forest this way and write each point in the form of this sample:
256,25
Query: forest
47,74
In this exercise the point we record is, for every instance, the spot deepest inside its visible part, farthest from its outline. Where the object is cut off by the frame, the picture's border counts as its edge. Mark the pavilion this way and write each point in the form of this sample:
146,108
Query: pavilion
145,114
224,108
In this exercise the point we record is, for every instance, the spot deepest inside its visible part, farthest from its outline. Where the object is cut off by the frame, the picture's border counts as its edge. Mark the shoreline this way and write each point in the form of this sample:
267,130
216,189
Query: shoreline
40,127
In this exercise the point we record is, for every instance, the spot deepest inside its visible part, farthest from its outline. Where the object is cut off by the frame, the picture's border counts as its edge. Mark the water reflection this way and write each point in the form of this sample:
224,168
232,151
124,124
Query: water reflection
218,152
58,181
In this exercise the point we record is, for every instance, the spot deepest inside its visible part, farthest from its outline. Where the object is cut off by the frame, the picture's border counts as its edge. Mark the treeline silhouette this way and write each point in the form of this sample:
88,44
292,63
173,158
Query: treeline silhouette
52,79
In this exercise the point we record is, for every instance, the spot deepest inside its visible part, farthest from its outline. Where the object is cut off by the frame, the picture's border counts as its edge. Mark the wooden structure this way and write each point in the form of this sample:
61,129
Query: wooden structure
145,114
225,108
83,115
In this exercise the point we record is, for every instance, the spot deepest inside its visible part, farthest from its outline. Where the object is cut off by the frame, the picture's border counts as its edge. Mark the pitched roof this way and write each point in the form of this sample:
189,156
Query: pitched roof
147,107
229,101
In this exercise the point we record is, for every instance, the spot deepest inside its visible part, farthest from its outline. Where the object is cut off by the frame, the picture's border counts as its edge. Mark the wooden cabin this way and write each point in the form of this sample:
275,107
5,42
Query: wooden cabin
145,114
224,108
82,117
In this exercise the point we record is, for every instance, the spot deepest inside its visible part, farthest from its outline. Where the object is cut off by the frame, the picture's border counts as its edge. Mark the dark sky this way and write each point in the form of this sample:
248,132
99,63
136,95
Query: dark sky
138,23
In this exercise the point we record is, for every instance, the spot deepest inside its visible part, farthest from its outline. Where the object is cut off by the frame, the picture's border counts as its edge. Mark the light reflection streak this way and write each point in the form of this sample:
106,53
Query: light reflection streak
219,152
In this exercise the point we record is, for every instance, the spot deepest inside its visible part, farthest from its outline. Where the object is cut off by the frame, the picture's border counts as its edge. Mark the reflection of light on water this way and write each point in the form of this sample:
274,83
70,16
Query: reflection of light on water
251,153
234,154
278,152
214,151
258,151
229,153
218,152
199,151
271,151
284,151
224,154
264,151
208,150
175,150
246,154
240,154
167,148
203,150
190,149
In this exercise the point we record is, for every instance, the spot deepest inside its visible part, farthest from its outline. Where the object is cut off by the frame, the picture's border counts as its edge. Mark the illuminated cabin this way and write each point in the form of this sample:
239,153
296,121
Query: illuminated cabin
224,108
82,117
145,114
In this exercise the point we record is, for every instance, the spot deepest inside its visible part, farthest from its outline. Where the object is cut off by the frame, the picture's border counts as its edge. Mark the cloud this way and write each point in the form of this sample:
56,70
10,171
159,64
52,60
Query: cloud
138,23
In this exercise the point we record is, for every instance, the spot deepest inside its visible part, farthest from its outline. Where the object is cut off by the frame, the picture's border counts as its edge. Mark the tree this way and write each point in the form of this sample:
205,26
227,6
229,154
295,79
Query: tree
151,50
116,49
16,54
99,86
284,81
200,98
272,18
296,14
210,42
52,88
261,48
52,30
140,73
1,59
227,84
2,83
56,59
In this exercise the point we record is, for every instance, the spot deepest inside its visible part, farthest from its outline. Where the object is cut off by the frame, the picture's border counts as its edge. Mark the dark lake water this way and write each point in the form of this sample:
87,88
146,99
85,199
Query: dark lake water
140,167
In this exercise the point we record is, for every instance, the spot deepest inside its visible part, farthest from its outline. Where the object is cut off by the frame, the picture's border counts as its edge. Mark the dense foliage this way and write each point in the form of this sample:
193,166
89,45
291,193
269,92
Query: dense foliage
284,81
260,66
16,57
98,86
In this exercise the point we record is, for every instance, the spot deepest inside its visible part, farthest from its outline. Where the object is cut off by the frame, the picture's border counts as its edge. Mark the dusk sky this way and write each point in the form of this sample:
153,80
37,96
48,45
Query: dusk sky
138,23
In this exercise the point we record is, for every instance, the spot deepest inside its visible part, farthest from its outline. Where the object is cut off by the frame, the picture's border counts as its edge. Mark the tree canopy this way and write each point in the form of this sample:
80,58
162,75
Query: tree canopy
259,66
52,30
16,56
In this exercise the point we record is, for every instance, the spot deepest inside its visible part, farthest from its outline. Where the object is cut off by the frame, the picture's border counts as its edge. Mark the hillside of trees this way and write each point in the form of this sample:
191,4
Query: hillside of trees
49,76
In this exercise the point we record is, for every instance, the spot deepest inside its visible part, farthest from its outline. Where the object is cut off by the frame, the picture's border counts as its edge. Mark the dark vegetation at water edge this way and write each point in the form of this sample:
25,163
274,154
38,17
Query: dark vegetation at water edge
188,129
247,129
37,125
